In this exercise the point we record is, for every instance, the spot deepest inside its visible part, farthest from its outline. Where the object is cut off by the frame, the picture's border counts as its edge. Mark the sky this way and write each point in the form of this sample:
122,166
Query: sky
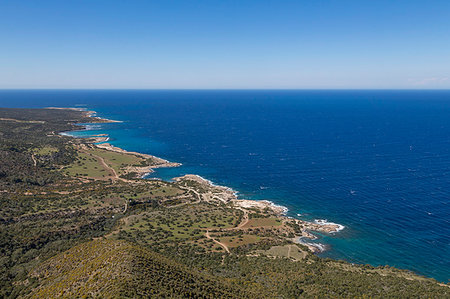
210,44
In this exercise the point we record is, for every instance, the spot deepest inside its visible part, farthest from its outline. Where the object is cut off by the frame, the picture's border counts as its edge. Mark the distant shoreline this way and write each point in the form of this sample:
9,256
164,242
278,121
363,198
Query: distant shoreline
88,113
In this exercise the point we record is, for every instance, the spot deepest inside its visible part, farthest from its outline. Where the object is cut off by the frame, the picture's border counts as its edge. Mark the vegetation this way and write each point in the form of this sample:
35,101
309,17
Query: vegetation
95,163
75,223
121,269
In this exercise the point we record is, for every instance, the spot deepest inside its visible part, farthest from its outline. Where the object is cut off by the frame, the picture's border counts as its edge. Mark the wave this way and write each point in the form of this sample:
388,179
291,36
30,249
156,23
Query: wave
91,127
319,246
326,222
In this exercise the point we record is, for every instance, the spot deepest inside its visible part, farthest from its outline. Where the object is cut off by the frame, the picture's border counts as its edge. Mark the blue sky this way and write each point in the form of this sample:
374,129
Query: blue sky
225,44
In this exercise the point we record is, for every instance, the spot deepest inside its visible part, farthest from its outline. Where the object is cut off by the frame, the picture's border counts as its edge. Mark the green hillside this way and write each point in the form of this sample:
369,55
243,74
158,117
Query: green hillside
120,269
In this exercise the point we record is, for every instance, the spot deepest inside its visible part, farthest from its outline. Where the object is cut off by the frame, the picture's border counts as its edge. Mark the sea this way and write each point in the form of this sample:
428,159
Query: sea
375,161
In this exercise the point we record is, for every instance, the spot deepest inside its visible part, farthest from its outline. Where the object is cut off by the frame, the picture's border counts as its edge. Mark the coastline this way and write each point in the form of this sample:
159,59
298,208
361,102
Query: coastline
144,170
222,193
87,113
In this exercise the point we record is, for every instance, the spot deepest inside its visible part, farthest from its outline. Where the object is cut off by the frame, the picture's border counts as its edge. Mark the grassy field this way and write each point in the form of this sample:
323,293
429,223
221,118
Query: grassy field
88,166
46,150
289,251
262,222
163,190
118,161
235,241
185,223
99,164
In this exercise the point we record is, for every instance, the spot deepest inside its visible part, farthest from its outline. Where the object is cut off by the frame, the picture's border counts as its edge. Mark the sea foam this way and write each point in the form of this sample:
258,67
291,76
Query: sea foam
326,222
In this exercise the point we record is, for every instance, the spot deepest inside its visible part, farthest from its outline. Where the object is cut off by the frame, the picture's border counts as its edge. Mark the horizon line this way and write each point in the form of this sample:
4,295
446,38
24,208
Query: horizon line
227,89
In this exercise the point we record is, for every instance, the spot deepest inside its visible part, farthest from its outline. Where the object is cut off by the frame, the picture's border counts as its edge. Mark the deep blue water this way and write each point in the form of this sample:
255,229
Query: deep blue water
377,162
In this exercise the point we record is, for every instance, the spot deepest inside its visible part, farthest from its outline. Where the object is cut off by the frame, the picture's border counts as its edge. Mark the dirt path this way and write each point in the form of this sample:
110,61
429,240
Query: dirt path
186,203
182,204
126,207
122,222
23,121
34,160
109,168
244,220
217,242
289,251
199,198
191,190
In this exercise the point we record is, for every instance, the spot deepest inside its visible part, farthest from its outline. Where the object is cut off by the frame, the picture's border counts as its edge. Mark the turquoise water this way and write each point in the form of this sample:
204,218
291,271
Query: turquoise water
377,162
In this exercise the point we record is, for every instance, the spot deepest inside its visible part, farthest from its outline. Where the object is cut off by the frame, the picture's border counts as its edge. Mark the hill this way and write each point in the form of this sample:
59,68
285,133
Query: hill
110,268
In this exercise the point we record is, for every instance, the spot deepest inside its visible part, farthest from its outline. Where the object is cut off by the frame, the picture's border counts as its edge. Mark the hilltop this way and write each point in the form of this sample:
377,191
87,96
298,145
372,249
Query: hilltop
110,269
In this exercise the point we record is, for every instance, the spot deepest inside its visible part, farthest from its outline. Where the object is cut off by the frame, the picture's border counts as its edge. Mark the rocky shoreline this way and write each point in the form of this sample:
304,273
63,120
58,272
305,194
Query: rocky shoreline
228,195
217,192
